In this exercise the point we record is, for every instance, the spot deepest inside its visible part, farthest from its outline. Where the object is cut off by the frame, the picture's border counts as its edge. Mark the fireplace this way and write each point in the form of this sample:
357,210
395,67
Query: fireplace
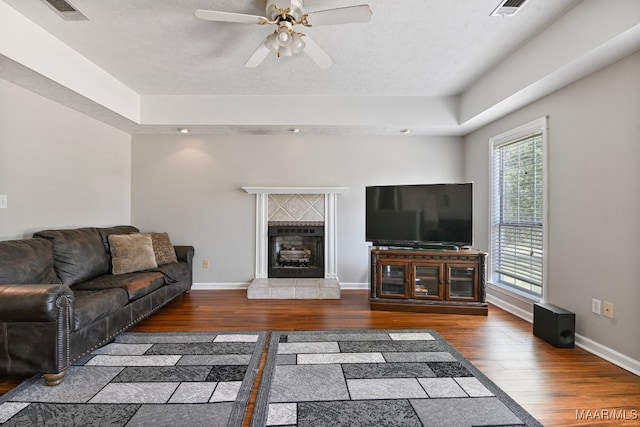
296,243
296,250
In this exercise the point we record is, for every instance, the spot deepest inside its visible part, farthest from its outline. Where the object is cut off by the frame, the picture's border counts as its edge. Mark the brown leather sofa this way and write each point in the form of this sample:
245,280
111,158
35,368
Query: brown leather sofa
59,299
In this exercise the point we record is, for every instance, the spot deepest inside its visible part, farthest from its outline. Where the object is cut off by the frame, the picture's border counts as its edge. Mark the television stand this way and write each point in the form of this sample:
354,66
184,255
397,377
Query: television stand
430,281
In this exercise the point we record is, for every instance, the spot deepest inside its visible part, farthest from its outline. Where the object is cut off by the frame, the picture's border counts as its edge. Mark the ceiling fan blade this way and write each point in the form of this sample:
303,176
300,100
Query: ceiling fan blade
258,55
316,53
238,18
343,15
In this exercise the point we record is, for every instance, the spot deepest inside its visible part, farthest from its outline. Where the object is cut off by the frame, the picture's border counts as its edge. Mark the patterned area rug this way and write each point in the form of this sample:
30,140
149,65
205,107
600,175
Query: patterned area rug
377,378
164,379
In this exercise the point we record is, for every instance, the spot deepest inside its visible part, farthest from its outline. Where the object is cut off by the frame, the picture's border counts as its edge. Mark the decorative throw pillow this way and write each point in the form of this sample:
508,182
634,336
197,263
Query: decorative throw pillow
163,248
131,252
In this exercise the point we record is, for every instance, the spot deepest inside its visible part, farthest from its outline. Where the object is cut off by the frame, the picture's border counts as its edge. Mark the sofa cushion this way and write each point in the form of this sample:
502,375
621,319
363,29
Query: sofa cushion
90,306
78,254
28,261
175,272
136,284
118,229
131,252
163,248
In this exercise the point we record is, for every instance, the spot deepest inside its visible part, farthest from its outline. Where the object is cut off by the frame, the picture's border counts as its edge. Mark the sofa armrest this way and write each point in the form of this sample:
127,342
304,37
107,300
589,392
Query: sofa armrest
32,303
185,253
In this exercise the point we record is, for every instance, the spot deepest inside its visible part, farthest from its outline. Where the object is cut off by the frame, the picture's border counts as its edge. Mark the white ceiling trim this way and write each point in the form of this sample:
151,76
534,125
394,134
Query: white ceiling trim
399,112
610,52
24,42
565,52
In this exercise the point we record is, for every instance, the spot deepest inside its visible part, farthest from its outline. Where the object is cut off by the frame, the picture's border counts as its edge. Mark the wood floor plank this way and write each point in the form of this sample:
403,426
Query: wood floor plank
557,386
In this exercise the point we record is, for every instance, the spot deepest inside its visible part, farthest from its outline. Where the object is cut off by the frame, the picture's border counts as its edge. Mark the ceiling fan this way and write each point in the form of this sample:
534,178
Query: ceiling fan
285,41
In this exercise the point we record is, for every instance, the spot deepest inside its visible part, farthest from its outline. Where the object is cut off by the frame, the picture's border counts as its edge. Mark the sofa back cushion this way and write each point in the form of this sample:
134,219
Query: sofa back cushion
28,261
118,229
78,254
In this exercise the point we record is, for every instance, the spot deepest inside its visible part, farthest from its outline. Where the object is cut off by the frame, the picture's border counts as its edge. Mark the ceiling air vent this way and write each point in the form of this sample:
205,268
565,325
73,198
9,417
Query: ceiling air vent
508,8
65,9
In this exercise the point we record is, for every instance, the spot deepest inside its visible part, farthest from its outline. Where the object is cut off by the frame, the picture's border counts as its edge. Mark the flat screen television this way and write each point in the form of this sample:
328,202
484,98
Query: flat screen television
428,215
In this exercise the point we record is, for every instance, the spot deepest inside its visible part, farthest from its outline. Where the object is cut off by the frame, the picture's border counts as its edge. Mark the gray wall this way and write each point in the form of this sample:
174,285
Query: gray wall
190,186
594,198
59,168
62,169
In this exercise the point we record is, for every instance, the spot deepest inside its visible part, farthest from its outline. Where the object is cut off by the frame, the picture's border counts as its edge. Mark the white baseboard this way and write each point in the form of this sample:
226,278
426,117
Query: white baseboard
524,310
617,358
510,308
220,286
245,285
354,286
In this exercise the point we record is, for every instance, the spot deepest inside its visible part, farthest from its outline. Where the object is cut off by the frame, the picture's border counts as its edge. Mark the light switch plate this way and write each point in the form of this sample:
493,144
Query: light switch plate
3,201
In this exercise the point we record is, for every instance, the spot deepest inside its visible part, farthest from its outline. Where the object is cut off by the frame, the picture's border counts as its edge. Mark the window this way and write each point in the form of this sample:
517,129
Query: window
518,208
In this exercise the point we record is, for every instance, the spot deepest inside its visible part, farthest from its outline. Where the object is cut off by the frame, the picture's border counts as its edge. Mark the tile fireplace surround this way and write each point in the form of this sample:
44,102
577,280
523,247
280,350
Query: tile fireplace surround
291,205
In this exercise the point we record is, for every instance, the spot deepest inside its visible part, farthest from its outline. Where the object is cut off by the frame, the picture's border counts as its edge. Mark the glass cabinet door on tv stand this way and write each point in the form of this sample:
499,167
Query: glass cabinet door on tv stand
461,280
427,281
439,281
392,280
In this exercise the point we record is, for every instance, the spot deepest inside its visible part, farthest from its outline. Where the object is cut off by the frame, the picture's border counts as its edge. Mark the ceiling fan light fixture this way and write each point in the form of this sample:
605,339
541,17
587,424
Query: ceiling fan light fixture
271,42
285,41
284,34
298,44
284,38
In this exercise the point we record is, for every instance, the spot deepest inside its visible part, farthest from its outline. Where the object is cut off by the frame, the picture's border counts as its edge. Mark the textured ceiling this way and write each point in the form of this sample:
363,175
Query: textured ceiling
410,48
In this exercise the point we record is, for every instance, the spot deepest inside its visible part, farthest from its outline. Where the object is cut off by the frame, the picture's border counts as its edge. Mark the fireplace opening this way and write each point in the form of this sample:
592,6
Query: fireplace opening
296,251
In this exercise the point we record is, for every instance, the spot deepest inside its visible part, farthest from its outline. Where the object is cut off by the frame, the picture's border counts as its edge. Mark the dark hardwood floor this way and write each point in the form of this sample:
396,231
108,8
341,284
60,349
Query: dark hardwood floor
557,386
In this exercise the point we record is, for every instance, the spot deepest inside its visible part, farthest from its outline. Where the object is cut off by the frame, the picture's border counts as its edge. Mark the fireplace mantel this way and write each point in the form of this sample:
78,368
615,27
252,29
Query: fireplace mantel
295,190
330,225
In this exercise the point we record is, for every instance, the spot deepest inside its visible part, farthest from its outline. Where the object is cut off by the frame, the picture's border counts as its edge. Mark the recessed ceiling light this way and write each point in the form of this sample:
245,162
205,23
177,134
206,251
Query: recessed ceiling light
183,130
406,131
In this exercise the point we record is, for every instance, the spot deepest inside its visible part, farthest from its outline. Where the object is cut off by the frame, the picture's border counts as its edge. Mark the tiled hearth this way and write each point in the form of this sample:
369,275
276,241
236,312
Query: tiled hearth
294,289
295,205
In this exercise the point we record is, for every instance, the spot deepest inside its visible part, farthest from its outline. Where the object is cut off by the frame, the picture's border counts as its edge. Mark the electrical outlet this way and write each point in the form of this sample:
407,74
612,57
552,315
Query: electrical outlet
205,263
608,309
596,306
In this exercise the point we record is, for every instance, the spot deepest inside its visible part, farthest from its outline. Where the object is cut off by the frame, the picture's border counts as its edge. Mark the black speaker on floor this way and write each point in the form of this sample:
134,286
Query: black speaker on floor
555,325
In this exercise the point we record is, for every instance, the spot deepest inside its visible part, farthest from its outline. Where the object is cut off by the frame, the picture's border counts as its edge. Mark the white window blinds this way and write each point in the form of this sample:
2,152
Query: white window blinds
517,212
